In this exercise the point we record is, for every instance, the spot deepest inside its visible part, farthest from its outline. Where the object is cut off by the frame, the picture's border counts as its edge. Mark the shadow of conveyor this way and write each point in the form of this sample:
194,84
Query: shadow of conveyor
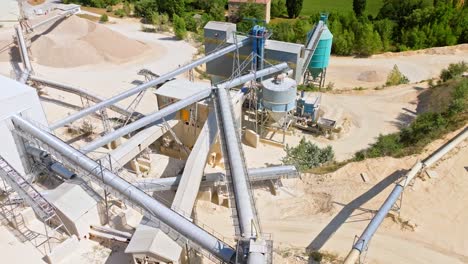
347,211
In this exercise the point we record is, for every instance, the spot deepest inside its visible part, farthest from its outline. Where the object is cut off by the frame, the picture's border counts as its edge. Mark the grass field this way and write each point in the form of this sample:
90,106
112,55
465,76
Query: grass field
315,6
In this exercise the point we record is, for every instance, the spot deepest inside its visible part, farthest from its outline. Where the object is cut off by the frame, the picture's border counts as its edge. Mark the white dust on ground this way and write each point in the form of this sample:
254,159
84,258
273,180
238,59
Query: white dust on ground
349,73
328,211
76,42
362,115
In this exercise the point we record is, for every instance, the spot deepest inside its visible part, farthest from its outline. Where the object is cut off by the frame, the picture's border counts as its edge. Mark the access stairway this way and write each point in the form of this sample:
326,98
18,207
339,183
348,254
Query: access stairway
44,210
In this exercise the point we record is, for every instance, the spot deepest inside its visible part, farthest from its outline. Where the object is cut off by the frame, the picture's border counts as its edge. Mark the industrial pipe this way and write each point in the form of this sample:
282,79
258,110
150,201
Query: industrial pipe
23,49
248,222
213,179
103,176
147,120
312,45
79,92
374,224
111,230
446,148
176,107
236,166
56,17
149,84
45,159
24,76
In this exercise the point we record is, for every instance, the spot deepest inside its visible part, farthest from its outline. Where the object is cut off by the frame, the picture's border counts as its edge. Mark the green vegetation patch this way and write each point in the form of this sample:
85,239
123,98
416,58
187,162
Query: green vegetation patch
447,110
307,155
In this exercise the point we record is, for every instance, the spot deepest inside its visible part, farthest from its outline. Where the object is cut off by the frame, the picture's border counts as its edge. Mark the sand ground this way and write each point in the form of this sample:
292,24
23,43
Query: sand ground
326,211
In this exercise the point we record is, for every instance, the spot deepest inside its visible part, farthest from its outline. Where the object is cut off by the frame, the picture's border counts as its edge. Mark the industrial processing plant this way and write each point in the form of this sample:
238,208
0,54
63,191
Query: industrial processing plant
122,145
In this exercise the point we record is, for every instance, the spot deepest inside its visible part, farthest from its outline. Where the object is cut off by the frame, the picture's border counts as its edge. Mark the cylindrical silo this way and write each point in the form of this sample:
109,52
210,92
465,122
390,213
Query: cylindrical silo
321,56
279,96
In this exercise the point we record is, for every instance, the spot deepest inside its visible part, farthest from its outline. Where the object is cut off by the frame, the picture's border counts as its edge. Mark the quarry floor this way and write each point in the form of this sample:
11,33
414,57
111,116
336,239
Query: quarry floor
325,211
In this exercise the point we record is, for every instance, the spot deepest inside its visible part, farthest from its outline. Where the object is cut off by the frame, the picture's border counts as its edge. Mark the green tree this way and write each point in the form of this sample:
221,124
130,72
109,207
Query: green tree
217,10
453,71
368,41
104,18
120,13
278,8
160,21
283,31
359,6
179,27
343,44
127,8
252,10
385,28
190,22
171,7
294,7
307,155
395,77
301,28
146,9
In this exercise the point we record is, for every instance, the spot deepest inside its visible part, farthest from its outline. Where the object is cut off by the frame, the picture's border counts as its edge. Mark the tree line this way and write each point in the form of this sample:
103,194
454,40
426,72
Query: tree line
399,26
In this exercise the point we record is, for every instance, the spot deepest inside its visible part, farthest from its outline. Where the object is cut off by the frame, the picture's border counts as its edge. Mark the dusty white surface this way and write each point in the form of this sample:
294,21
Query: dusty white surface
318,207
362,114
347,73
326,212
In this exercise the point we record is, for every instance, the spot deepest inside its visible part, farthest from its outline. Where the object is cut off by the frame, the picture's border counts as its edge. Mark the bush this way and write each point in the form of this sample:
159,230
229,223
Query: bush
160,21
109,9
120,13
454,70
104,18
278,8
179,27
425,128
395,77
307,155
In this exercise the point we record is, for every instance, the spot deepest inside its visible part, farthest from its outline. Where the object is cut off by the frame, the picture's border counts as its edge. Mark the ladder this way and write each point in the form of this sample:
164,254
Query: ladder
105,121
88,179
149,75
32,197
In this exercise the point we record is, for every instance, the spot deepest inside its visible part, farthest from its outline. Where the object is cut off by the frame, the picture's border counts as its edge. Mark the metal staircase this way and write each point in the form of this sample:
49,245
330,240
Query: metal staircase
44,210
149,75
93,182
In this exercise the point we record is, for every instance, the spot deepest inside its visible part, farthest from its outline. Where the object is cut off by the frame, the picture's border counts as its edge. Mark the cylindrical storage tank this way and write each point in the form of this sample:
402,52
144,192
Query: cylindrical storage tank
321,56
279,96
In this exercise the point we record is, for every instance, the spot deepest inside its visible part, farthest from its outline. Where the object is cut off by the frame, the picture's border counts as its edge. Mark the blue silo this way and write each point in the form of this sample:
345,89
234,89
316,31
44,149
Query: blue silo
321,57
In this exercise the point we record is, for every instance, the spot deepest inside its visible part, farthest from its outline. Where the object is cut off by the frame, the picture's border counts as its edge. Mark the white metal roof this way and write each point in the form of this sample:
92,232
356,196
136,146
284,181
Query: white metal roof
152,242
222,26
284,46
181,88
279,85
71,200
10,88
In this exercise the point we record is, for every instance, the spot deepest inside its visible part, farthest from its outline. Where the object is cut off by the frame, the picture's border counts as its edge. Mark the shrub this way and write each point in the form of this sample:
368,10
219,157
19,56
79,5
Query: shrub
109,9
454,70
120,13
395,77
179,27
160,21
278,8
307,155
104,18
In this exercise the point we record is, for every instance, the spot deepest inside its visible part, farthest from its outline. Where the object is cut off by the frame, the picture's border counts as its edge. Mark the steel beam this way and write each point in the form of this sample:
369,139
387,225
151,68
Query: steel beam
147,85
